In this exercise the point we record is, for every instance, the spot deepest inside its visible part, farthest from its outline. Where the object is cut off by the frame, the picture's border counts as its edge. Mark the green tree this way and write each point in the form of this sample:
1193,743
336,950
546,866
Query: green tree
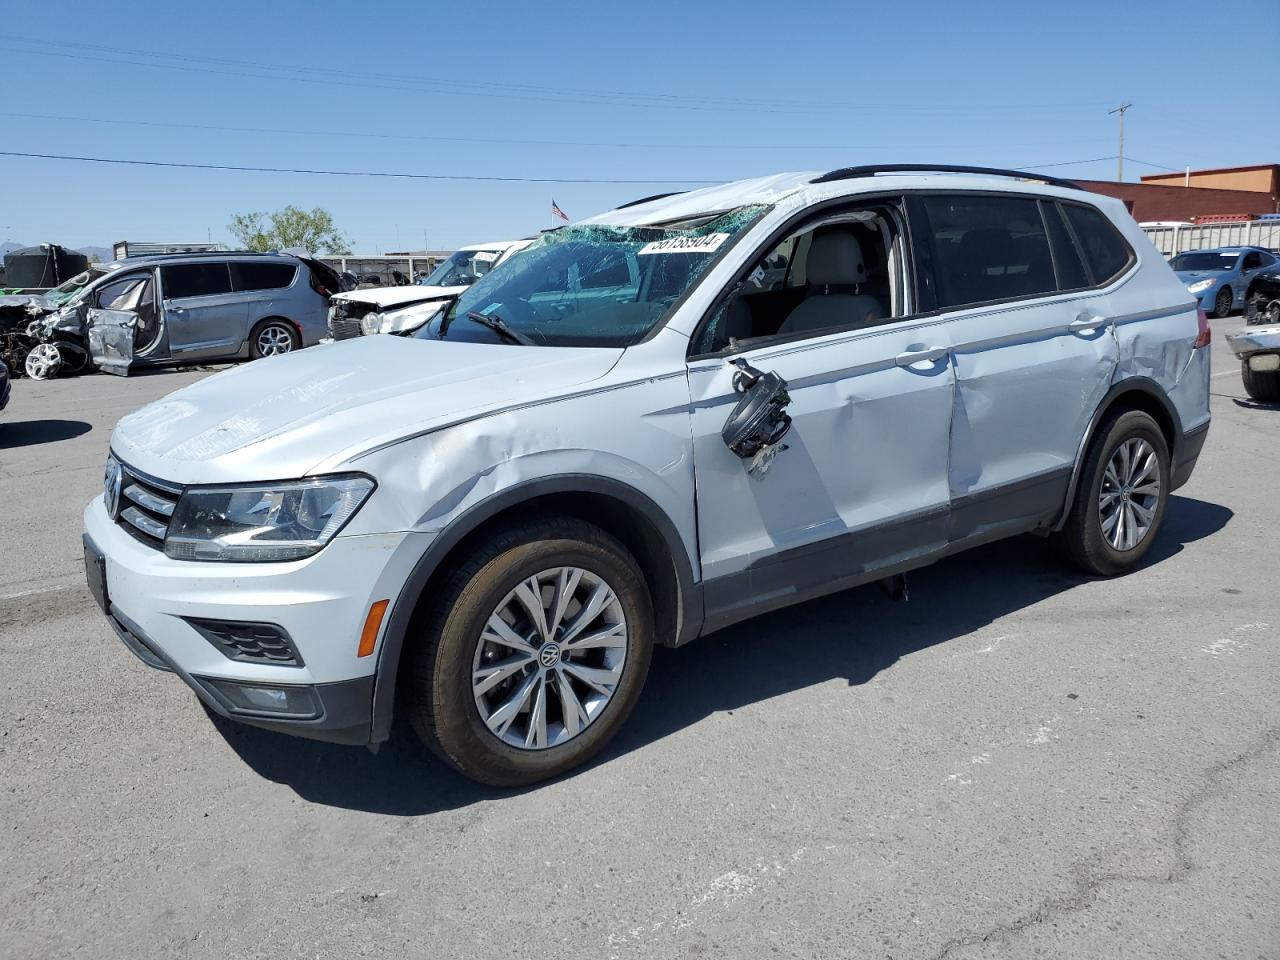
312,230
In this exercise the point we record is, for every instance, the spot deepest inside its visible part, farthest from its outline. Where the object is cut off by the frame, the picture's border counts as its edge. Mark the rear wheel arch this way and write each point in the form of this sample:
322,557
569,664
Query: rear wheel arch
618,509
1134,393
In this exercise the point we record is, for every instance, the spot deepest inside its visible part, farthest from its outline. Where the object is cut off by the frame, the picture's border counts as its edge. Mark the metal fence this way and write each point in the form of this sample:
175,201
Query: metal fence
383,267
1171,240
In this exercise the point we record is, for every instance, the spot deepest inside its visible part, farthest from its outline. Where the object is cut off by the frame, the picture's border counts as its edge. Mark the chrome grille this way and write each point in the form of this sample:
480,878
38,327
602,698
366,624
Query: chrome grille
146,504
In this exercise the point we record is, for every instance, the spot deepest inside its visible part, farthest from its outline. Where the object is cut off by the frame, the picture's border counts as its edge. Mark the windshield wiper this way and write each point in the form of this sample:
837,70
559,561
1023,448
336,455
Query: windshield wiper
499,326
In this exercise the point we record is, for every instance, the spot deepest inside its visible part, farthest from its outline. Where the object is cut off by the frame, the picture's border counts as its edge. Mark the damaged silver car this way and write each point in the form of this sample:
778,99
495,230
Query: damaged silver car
650,425
170,310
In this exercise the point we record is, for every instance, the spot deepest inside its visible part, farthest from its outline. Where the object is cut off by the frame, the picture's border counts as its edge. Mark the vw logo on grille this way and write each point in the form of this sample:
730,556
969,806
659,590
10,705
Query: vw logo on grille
112,482
549,656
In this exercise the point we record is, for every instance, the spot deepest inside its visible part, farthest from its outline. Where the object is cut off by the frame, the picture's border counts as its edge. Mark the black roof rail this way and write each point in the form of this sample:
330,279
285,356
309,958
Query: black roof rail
656,196
204,253
851,173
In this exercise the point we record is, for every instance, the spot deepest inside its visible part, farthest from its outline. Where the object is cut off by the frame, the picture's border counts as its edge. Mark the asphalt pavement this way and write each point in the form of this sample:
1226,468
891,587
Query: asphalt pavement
1018,762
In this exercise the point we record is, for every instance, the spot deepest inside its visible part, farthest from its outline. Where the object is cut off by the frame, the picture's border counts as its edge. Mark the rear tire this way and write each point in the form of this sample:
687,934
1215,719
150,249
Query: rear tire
1126,454
1261,385
272,338
1222,303
446,677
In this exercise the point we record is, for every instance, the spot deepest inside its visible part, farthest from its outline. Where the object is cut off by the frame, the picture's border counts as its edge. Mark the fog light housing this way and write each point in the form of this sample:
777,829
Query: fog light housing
1264,362
286,701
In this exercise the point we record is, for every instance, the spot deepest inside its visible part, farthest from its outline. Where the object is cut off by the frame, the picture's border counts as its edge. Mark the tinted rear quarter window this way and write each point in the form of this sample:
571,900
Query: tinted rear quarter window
988,248
262,276
1104,249
195,280
1066,255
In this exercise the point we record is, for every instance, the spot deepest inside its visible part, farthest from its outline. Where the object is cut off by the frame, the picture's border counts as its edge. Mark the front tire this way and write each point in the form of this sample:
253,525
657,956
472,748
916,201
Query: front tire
533,654
1222,303
1120,500
1261,385
273,338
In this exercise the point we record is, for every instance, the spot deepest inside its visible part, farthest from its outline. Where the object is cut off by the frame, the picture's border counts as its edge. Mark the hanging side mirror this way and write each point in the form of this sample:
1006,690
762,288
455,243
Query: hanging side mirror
759,420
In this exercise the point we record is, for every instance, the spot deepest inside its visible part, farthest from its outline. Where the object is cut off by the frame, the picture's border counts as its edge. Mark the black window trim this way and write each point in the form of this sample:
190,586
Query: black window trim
794,224
927,241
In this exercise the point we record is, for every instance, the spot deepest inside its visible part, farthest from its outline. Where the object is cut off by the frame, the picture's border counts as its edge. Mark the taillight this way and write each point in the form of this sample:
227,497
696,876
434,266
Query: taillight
1203,333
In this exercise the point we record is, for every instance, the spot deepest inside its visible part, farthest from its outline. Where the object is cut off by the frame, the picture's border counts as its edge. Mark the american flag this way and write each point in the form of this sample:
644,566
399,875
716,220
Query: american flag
558,213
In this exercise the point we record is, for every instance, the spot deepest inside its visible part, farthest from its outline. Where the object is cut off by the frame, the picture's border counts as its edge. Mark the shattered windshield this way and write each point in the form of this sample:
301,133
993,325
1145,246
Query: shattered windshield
462,269
591,285
65,291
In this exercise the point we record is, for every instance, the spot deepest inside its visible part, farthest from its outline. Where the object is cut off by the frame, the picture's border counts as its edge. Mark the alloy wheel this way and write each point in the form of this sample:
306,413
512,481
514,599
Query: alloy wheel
549,658
43,362
274,340
1130,494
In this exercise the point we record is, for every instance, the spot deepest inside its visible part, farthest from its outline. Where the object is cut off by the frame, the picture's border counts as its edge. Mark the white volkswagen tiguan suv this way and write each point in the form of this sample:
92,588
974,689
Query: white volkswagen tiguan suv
651,425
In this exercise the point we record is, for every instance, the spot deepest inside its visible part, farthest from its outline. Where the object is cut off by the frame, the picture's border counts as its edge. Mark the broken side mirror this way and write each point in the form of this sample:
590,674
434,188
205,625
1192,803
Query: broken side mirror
759,420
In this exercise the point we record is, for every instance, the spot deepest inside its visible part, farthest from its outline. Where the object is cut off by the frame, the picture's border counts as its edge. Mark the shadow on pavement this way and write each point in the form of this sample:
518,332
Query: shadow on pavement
1255,404
852,635
28,433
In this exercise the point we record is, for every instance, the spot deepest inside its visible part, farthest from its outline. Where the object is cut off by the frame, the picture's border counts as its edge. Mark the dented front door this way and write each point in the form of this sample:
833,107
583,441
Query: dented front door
861,485
111,335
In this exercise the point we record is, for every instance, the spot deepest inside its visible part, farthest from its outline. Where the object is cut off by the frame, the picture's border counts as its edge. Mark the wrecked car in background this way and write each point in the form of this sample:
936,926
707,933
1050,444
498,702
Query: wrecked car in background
170,310
646,427
1258,344
404,309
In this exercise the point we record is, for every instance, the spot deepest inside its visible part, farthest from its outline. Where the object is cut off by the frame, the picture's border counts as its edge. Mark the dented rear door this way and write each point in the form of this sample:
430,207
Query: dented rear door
1034,352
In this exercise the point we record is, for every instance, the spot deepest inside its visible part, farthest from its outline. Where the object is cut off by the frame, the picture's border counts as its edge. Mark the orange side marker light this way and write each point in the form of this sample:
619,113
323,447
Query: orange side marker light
372,623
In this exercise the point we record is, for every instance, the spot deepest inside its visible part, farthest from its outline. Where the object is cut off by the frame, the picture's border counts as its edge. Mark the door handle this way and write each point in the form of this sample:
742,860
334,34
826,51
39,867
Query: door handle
928,354
1088,321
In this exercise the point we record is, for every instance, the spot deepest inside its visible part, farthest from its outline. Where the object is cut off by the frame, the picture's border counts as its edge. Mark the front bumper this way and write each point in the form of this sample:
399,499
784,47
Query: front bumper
320,602
1250,340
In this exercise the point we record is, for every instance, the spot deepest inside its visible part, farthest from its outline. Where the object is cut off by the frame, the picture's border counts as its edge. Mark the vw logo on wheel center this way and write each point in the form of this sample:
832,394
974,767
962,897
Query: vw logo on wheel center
549,655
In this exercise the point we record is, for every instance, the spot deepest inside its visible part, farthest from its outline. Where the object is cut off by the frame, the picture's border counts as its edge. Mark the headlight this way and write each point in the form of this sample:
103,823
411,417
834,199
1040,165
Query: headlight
1200,286
262,522
371,323
410,318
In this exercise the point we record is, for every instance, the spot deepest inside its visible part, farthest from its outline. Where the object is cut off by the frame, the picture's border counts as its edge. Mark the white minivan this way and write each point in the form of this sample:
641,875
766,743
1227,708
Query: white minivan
653,424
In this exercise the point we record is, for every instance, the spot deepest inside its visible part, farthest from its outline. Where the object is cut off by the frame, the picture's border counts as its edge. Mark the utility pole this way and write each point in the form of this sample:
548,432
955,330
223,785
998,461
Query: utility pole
1120,157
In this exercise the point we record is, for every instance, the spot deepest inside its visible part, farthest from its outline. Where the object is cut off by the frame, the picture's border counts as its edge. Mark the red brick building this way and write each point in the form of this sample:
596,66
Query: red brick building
1167,196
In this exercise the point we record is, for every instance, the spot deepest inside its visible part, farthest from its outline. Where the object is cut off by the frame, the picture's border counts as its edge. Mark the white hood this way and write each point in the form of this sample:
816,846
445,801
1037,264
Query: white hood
398,296
283,417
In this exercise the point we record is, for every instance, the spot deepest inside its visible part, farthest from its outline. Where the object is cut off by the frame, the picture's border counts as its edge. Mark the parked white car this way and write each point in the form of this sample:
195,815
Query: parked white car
404,309
655,423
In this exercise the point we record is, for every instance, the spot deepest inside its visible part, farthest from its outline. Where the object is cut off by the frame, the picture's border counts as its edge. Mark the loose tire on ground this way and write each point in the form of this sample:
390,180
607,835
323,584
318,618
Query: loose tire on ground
1261,385
445,665
1082,537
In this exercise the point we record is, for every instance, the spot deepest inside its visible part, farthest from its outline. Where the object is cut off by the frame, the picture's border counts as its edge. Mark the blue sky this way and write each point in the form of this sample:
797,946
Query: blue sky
635,91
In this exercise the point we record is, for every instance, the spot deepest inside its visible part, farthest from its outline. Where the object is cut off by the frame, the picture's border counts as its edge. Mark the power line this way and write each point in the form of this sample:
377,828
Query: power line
276,72
345,134
426,176
346,173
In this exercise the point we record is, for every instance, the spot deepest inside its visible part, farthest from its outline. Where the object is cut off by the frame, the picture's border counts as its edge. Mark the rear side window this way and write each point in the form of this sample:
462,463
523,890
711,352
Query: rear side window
1104,249
262,276
988,248
195,280
1066,256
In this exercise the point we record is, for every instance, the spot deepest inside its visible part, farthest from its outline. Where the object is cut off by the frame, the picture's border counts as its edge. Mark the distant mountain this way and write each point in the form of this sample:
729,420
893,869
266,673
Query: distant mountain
9,246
